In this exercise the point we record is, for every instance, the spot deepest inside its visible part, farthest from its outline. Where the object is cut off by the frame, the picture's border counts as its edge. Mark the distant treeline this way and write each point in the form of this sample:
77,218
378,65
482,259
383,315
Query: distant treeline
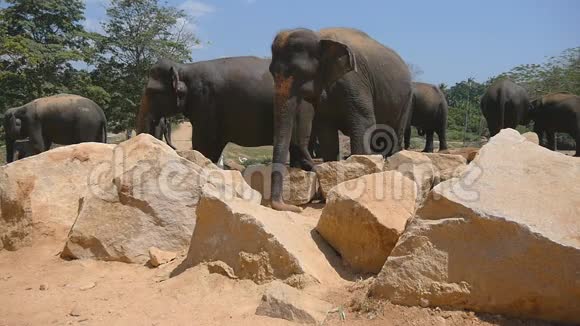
45,49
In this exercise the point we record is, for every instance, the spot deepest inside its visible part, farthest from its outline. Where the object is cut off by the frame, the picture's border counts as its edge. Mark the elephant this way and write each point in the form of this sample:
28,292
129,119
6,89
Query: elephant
163,129
505,105
557,112
429,115
226,100
356,84
62,119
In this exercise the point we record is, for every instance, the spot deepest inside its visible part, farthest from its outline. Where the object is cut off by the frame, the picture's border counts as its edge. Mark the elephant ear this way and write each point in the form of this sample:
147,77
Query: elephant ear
336,60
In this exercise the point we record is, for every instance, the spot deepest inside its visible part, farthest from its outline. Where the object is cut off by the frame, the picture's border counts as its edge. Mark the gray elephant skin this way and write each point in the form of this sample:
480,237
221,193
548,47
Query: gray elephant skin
226,100
163,129
557,112
61,119
505,105
357,85
429,115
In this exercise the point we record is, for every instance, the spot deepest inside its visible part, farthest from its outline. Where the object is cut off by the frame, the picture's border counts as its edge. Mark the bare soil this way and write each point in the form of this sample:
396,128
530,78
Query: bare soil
39,288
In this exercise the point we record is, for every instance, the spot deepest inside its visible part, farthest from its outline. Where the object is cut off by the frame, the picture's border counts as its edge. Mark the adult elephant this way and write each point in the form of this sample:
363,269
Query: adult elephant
358,86
429,115
163,129
504,105
557,112
226,100
62,119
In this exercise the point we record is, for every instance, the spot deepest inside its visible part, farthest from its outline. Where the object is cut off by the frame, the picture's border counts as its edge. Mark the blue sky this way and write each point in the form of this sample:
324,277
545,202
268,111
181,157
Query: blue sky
448,40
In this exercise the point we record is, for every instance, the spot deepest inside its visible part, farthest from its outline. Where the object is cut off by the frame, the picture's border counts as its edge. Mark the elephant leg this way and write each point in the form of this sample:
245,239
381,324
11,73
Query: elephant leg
168,135
47,144
36,140
551,135
441,134
360,142
295,156
407,137
329,146
429,141
577,142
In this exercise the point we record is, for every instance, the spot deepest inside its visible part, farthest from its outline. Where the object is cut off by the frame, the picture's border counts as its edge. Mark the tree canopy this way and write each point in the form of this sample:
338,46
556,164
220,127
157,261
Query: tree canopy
45,50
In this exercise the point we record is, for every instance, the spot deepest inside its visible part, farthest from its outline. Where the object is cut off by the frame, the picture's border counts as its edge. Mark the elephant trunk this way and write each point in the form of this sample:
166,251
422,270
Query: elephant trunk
284,113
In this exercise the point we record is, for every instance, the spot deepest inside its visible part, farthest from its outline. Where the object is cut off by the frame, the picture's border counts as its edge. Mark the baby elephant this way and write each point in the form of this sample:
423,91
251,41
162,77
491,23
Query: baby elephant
428,115
557,112
62,119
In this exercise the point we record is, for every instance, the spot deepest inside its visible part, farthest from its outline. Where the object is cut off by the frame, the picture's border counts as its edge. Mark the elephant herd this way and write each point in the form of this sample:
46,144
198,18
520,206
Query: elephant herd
316,84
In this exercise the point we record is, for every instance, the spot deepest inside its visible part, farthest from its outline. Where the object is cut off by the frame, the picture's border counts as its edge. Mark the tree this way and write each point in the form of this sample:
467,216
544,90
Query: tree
39,41
465,118
138,33
558,74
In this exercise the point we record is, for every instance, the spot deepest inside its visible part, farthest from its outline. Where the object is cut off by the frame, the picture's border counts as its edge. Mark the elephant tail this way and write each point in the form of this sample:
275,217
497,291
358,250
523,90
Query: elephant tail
104,135
421,132
502,107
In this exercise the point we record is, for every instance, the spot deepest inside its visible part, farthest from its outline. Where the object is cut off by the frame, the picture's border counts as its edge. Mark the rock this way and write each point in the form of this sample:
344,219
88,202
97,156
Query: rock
259,243
197,158
40,194
501,239
233,165
159,257
87,286
447,166
146,197
469,153
285,302
43,287
364,217
299,186
219,267
332,173
75,312
417,167
532,137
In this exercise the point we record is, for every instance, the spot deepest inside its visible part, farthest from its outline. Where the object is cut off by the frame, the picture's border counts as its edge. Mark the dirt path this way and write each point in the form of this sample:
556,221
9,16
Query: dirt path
39,288
181,136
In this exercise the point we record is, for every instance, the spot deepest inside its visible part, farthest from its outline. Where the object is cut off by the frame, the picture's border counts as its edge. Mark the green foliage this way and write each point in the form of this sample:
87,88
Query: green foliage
138,33
465,122
557,74
41,43
39,40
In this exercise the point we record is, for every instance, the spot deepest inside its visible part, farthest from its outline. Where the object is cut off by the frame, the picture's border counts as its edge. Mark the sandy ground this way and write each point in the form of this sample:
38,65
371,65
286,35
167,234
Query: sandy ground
39,288
181,136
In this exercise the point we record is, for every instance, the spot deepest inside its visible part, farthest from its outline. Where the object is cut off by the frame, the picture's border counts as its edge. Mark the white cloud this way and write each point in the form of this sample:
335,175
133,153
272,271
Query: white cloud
196,8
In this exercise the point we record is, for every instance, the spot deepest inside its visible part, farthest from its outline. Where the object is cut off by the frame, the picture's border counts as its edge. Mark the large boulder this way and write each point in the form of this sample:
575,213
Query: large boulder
417,167
503,238
299,186
259,243
364,217
332,173
146,198
447,166
197,158
285,302
469,153
532,137
40,194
